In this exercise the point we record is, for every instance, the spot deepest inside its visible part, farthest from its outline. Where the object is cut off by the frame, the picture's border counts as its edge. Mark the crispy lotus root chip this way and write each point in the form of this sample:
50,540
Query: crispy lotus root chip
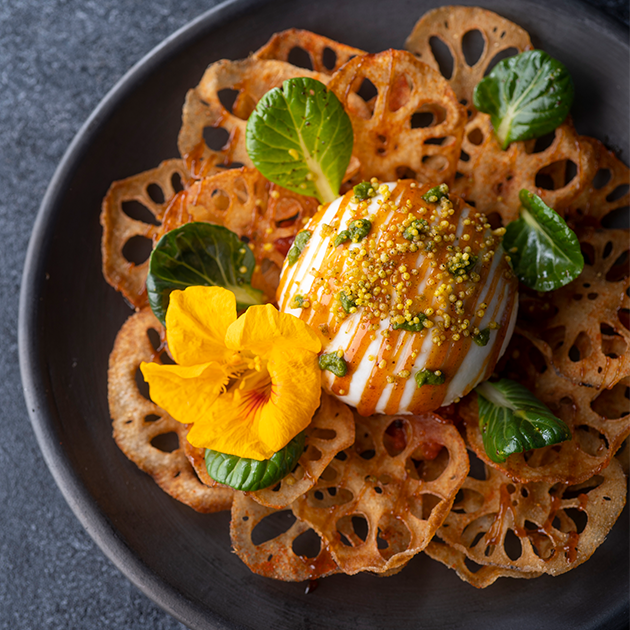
325,55
331,430
454,27
294,554
131,213
204,109
196,457
263,214
144,432
379,502
414,124
583,327
556,167
475,574
606,194
599,421
550,528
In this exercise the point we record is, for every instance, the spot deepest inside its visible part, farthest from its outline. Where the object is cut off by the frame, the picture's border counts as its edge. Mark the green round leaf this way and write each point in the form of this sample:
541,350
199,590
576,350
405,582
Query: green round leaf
200,254
513,420
250,475
300,137
544,252
527,96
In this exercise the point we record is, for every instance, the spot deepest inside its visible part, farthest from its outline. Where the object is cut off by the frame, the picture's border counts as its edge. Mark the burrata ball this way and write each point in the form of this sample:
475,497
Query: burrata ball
410,292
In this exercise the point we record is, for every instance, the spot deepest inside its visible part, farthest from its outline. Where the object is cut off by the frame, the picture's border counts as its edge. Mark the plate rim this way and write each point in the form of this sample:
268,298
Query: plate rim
31,362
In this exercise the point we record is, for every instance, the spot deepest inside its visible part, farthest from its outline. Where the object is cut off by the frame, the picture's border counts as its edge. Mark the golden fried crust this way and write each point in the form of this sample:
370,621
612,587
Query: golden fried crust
493,178
382,502
414,125
606,192
252,78
476,575
582,328
331,430
326,55
121,225
276,557
451,25
138,423
537,527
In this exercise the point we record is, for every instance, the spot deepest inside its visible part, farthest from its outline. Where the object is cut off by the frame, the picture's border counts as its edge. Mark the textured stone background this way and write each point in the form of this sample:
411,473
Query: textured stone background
58,59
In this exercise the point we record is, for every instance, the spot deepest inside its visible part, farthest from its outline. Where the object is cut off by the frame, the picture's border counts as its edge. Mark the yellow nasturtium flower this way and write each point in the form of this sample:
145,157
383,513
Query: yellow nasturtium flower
247,385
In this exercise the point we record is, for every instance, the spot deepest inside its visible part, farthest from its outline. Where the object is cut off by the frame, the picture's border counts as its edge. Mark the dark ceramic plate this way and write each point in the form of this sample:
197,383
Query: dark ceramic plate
69,318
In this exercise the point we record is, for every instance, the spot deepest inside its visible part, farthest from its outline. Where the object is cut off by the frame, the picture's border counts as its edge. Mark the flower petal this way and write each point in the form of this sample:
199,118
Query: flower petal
185,392
232,428
262,328
295,396
241,427
196,322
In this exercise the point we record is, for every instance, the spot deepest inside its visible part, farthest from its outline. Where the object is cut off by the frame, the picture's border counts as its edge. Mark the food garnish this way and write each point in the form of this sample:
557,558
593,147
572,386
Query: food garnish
242,473
544,252
399,296
200,254
301,138
513,420
527,96
301,239
248,385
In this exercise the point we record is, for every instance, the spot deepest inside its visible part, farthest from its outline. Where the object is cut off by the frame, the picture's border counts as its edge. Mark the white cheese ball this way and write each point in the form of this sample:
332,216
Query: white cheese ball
420,308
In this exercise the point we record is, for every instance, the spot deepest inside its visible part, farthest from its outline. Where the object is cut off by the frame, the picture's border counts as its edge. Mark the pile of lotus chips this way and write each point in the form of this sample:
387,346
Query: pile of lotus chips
370,493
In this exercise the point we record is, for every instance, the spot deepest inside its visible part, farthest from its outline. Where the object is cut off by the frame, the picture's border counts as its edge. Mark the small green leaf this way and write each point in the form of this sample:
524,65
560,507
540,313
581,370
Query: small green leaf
544,252
429,377
200,254
333,363
433,195
364,191
513,420
250,475
412,326
301,138
299,244
527,96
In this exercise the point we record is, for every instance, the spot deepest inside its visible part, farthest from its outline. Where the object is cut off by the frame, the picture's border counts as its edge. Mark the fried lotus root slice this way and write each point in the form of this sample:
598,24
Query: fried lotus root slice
331,430
282,548
379,502
479,576
606,195
583,327
197,459
599,421
325,55
263,214
131,213
541,527
414,124
207,116
144,432
556,167
596,437
454,27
